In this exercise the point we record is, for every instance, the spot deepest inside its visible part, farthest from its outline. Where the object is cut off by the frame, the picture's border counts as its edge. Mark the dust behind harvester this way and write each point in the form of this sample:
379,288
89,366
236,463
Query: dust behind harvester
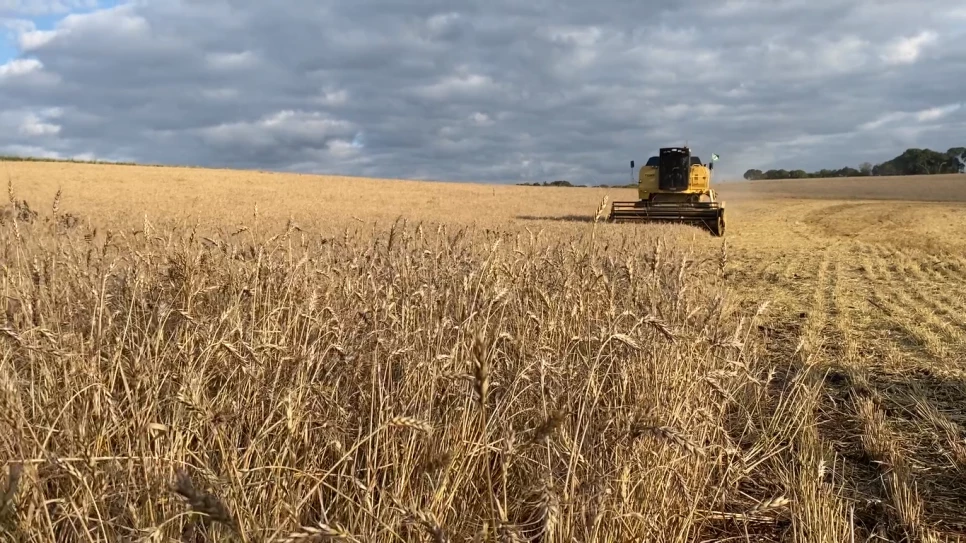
674,187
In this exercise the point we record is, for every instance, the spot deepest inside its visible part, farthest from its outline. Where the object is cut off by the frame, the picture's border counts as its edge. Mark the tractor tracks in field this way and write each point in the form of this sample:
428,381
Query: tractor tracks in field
918,307
897,392
885,331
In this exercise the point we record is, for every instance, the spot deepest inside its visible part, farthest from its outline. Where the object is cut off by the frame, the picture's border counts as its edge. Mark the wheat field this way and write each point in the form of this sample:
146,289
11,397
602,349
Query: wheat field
206,355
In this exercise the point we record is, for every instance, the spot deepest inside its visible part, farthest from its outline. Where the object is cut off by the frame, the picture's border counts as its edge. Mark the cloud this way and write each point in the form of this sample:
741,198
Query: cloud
20,67
33,125
231,61
35,39
908,49
473,90
281,128
904,118
936,113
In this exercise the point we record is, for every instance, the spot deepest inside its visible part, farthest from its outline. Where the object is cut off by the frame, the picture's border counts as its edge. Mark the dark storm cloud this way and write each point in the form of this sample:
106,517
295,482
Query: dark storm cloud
488,90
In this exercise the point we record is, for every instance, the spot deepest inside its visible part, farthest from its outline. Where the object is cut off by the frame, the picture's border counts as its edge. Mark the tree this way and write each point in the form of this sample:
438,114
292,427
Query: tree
886,169
911,162
958,156
776,174
923,162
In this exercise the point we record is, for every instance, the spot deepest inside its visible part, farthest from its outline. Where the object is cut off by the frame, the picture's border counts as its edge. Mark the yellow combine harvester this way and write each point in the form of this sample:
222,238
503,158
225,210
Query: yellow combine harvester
674,187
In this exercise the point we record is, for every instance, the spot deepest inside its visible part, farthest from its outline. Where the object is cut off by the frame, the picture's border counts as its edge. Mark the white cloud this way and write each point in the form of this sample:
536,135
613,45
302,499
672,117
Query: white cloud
908,49
28,151
884,120
481,119
332,97
229,61
458,85
34,126
36,39
119,25
936,113
122,19
905,117
344,148
441,22
20,66
278,128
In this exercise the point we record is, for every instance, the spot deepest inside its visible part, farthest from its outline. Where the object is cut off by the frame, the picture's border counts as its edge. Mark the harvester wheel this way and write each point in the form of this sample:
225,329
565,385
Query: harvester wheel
719,227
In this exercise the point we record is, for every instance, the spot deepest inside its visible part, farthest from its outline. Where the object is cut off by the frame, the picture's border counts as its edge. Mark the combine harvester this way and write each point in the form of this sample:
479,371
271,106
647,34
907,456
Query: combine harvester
674,187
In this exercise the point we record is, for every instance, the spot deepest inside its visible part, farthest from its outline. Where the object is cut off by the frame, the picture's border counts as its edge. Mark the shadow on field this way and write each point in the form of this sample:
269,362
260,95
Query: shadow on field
564,218
923,414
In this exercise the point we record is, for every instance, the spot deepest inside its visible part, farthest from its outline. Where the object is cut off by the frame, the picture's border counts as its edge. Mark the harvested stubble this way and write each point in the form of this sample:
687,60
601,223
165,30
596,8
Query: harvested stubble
417,382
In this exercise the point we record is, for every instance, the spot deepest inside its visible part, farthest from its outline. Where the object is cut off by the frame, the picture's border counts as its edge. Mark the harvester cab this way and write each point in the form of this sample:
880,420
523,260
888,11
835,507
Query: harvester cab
674,187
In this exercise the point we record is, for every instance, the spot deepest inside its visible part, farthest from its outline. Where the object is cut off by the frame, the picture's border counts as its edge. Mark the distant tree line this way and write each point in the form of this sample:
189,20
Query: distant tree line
911,162
565,183
557,183
6,158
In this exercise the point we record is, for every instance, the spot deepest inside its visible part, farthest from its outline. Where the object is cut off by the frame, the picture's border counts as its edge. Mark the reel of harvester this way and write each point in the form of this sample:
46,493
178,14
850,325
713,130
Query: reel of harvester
674,187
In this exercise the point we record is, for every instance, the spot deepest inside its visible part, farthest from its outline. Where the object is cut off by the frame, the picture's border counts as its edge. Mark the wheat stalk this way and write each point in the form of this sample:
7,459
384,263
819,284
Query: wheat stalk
459,368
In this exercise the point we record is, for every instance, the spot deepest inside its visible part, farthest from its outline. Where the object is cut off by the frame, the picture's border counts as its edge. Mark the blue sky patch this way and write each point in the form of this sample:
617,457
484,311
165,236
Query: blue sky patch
11,19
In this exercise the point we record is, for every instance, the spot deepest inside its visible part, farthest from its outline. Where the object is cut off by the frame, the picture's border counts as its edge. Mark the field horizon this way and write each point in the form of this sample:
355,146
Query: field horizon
138,186
225,355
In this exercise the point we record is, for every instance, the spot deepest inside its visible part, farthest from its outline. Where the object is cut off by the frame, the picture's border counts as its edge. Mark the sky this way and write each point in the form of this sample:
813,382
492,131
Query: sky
481,90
